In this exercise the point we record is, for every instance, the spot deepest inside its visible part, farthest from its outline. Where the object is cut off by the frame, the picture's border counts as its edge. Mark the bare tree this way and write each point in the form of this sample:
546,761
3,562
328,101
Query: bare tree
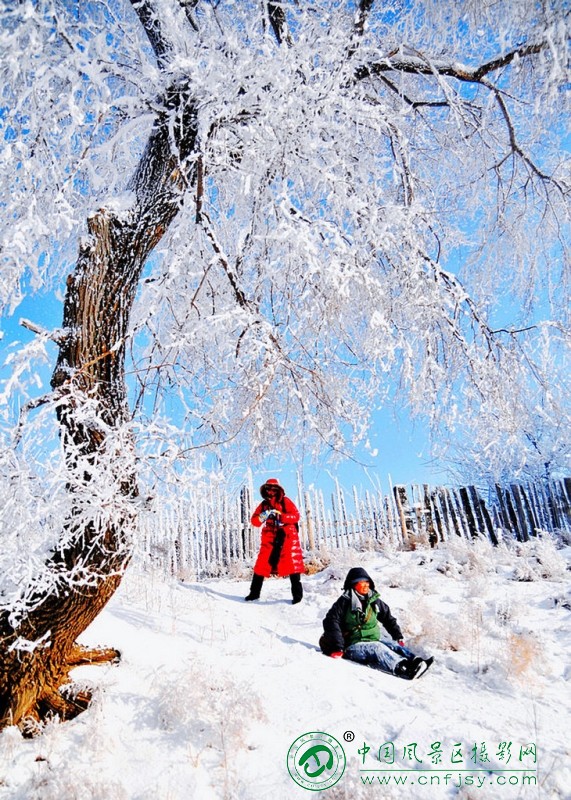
281,189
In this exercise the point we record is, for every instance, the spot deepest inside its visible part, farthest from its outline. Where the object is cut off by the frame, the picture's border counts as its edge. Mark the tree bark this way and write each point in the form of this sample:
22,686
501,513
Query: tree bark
39,649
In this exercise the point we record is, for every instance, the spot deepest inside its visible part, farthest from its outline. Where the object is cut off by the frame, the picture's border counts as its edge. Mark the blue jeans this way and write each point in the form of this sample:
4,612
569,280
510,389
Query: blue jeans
378,655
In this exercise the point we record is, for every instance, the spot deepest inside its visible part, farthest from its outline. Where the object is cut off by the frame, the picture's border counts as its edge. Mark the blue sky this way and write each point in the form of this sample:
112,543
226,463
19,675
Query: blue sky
403,457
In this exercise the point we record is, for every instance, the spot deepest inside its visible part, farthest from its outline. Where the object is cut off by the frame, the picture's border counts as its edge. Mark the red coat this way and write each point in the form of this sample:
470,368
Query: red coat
271,559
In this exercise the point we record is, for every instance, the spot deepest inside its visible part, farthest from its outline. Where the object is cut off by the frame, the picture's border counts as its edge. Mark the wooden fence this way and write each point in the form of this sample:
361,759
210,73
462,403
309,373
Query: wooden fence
206,533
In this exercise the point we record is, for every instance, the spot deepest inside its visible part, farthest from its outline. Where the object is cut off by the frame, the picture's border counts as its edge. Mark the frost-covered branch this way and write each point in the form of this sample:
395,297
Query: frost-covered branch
516,148
55,336
150,19
278,22
422,64
361,14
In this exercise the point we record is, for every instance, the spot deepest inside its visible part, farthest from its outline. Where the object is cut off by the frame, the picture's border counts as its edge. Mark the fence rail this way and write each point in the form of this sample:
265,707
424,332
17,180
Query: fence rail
207,532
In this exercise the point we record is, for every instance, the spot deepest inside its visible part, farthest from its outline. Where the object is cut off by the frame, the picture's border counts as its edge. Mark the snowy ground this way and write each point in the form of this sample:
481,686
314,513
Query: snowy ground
212,691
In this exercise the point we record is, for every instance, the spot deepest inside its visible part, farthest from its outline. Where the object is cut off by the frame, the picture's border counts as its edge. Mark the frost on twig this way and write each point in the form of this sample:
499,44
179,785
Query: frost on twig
57,336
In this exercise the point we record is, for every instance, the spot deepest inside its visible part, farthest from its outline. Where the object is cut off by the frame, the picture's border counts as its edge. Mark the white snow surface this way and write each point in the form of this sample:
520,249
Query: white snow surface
211,691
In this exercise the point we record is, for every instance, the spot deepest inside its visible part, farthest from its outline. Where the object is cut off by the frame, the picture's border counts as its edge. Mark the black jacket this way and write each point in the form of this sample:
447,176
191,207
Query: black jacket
333,639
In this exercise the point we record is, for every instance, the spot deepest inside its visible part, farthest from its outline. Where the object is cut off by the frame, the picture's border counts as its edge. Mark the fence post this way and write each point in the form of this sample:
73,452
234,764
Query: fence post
567,491
566,500
309,522
438,523
515,527
431,527
469,516
483,515
551,510
559,503
523,518
418,512
401,499
372,516
322,518
530,509
446,519
457,513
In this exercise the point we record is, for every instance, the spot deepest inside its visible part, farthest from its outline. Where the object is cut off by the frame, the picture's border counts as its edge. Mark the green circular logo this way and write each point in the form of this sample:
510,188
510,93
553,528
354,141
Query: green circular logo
316,761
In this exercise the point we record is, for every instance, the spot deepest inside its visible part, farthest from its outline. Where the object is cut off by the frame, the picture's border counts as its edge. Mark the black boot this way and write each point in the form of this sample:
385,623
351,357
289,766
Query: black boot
296,588
255,587
402,669
412,668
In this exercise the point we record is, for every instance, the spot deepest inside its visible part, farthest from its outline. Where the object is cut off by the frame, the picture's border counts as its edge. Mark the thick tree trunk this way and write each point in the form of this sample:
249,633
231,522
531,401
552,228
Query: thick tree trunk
38,650
38,653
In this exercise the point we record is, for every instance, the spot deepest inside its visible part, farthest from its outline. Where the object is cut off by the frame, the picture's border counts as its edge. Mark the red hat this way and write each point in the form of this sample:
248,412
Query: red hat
272,483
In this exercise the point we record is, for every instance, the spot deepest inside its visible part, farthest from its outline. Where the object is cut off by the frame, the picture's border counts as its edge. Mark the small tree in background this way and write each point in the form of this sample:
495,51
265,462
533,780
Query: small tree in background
268,200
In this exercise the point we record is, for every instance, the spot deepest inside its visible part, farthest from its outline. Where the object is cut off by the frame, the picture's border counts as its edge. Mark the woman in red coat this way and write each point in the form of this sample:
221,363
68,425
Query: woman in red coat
280,550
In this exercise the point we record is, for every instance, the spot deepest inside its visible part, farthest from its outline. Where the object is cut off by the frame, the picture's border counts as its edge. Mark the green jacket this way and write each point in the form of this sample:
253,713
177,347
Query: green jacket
361,625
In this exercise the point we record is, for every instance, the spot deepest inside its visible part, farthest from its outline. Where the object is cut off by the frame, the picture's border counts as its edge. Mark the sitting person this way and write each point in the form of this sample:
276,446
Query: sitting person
351,630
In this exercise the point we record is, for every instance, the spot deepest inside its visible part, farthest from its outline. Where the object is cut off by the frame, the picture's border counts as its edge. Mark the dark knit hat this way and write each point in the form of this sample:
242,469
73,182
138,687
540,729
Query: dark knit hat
355,575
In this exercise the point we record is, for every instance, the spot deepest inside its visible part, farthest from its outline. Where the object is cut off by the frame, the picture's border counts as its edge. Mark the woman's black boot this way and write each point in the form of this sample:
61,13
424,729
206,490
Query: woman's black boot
296,588
255,587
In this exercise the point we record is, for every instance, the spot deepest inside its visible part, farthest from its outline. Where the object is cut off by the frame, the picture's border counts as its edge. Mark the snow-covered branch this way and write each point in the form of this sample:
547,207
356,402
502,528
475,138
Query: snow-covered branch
423,64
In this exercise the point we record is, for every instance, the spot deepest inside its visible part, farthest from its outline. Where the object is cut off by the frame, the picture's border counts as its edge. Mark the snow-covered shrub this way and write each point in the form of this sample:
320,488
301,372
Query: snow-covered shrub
504,613
541,559
352,788
522,656
563,537
427,626
317,561
471,555
42,769
452,568
525,572
551,559
70,783
563,600
239,570
206,704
